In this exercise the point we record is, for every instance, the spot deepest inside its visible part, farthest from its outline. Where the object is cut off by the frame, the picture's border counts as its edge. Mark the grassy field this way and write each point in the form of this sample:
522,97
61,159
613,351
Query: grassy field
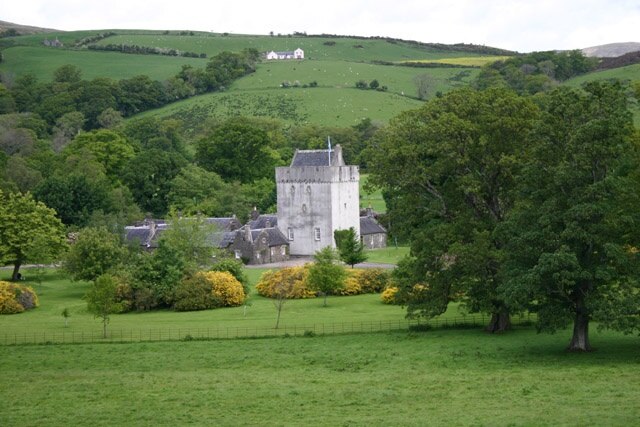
56,292
371,198
469,61
346,49
42,62
325,106
388,255
439,377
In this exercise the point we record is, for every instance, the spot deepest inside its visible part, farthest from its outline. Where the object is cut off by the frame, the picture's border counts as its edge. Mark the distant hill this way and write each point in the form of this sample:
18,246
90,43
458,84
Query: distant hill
23,30
611,50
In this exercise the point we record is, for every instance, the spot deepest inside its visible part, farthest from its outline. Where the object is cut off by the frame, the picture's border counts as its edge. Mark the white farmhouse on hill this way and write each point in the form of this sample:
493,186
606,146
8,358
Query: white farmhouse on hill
296,54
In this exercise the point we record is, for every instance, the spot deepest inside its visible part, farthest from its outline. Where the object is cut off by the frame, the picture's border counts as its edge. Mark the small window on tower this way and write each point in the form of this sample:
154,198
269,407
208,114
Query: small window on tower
290,233
317,233
293,190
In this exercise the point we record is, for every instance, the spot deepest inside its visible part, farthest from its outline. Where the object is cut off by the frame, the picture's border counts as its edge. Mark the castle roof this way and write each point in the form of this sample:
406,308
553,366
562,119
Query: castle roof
318,157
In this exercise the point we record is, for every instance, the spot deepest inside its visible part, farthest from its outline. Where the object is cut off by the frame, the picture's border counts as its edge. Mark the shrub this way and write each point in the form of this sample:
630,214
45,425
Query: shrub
388,296
226,289
16,298
351,285
27,297
236,268
194,293
209,289
298,275
373,280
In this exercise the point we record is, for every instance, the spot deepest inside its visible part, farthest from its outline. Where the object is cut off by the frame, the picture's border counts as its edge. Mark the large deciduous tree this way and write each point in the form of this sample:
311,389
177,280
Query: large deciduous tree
450,169
25,223
573,238
97,251
238,151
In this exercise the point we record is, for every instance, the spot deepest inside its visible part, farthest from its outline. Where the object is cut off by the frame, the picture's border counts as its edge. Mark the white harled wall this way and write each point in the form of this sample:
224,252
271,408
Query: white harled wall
310,197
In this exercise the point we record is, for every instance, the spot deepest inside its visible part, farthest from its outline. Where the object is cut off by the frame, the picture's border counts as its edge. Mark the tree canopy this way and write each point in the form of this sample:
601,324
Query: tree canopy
572,248
464,150
25,223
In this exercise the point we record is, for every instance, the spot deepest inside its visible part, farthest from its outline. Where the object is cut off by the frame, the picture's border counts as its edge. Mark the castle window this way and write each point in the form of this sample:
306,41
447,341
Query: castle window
293,190
309,189
316,233
290,233
304,208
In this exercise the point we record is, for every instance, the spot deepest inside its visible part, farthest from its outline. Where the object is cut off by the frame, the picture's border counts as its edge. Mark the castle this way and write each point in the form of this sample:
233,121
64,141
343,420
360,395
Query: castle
317,194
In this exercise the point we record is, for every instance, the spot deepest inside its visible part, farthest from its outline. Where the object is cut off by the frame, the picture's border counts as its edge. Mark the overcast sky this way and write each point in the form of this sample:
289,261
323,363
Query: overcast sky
510,24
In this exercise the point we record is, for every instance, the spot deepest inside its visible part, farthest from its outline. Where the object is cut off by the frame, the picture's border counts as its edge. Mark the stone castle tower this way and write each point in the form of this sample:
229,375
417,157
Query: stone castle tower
317,194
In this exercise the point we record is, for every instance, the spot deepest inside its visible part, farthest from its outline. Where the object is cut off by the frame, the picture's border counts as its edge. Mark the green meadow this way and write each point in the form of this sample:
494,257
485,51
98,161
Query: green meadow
437,377
43,61
324,106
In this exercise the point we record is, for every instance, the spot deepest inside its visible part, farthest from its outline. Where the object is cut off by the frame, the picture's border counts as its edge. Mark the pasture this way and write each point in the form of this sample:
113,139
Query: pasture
437,377
467,61
43,61
326,106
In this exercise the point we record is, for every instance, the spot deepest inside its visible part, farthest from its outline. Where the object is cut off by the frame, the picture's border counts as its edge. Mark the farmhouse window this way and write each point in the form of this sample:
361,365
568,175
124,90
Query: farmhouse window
317,233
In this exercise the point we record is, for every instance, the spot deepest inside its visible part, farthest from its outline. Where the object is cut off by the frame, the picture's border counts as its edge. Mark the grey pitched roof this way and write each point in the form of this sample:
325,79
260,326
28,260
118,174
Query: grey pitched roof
263,221
140,234
274,236
368,225
222,239
224,224
312,158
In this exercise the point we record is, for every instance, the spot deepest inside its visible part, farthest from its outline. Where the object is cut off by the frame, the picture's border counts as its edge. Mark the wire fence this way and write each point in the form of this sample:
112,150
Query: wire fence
115,335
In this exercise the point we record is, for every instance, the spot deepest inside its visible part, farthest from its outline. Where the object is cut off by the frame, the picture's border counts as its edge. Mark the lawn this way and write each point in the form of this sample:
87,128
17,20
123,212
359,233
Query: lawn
438,377
371,198
388,255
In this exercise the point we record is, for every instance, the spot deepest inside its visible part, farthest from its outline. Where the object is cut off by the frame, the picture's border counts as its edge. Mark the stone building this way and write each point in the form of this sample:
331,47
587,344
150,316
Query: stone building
317,194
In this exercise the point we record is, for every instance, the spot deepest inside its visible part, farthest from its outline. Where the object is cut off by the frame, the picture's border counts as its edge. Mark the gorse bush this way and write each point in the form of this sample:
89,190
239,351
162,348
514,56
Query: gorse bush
210,289
269,281
16,298
388,296
358,281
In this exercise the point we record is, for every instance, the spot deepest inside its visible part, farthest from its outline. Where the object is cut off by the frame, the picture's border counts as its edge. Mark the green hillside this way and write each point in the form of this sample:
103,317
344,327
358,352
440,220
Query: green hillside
326,106
43,61
629,73
335,64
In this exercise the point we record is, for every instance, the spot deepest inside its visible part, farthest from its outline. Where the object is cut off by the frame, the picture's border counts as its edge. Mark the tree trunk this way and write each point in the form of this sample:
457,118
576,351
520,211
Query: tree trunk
500,322
580,339
279,308
104,328
325,299
16,271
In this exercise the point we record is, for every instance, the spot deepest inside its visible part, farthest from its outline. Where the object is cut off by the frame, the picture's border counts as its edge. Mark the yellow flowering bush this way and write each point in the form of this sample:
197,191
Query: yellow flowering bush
226,290
351,284
373,280
388,296
16,298
270,280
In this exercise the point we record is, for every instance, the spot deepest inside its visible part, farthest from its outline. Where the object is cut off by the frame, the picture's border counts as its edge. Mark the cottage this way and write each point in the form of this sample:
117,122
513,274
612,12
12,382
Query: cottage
296,54
259,246
372,234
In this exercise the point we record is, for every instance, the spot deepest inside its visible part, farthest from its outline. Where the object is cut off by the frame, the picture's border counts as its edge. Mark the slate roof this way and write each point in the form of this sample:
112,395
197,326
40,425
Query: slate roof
274,236
140,234
314,158
224,224
222,239
261,222
368,225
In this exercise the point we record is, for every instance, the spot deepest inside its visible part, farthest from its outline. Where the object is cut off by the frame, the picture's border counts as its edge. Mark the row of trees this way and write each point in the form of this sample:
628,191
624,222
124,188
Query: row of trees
68,93
534,72
516,204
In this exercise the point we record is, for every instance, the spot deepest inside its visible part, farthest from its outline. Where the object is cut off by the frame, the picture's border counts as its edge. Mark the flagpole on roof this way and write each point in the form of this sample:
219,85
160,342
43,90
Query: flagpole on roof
329,145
